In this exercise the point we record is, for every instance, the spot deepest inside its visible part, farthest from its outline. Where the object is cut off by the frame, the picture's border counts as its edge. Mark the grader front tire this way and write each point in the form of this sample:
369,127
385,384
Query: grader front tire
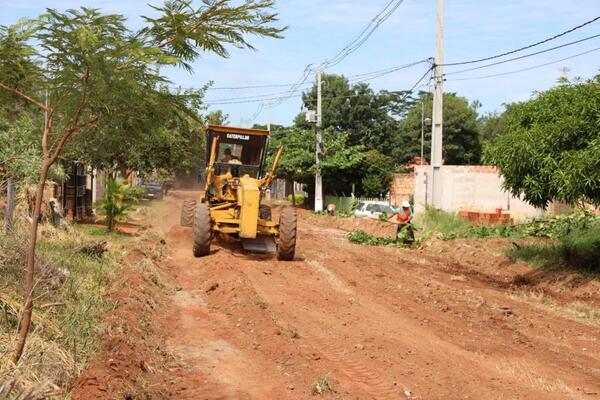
286,245
202,232
187,213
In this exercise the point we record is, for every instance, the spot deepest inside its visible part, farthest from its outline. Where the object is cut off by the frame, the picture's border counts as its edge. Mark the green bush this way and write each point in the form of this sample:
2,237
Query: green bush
299,199
581,247
559,226
577,242
118,199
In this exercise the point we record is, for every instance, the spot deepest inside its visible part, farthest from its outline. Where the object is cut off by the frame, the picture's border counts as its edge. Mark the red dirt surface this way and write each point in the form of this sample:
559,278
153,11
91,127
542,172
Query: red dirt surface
452,320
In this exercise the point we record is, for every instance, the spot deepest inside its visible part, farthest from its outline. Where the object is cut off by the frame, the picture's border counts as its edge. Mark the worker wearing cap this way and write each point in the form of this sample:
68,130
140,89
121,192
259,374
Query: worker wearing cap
403,219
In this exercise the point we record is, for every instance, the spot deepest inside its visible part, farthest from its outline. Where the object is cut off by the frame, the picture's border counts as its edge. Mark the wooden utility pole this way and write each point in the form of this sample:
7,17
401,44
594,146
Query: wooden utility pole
438,112
318,149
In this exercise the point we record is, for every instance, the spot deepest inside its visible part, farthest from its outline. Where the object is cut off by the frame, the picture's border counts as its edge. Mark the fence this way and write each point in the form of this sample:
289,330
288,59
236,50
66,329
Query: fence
344,204
347,204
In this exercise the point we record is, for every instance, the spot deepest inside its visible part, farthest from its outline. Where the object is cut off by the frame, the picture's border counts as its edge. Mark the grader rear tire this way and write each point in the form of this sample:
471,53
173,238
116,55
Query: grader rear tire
286,246
187,213
264,212
202,232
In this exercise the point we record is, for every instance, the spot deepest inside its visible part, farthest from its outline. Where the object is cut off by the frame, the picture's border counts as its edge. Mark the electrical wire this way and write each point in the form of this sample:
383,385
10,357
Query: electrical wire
526,69
524,56
364,35
525,47
355,79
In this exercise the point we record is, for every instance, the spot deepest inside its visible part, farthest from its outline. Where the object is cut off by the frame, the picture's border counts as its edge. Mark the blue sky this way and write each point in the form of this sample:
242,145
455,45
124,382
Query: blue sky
320,28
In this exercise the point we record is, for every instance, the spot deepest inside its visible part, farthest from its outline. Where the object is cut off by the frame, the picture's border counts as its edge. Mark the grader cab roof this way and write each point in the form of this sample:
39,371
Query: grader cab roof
235,130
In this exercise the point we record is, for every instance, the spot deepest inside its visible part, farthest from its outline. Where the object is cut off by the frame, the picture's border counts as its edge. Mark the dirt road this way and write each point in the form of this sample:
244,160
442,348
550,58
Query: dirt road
372,323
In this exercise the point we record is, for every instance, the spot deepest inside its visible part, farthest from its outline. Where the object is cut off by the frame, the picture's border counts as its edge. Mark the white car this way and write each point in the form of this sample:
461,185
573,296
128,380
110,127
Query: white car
373,209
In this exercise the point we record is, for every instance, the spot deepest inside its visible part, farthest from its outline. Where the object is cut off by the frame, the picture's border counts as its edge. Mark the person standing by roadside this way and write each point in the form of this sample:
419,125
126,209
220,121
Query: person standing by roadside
403,220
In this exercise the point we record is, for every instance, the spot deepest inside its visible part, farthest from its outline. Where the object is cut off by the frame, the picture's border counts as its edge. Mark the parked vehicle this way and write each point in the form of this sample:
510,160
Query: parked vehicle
154,191
373,209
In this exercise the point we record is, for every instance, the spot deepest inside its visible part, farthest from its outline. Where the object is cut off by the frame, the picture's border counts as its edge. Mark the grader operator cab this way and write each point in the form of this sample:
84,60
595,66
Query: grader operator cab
234,190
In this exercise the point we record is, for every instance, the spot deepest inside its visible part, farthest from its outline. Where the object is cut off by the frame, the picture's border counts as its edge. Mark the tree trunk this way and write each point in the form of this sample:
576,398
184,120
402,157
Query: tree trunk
30,269
10,206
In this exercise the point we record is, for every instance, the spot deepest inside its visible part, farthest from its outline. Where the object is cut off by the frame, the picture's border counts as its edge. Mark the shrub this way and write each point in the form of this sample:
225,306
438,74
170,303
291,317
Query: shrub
299,199
581,247
559,226
118,199
362,237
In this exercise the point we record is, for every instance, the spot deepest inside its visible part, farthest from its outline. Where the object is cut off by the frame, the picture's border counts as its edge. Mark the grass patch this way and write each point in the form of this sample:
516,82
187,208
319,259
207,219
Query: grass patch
539,255
70,303
322,386
447,226
579,249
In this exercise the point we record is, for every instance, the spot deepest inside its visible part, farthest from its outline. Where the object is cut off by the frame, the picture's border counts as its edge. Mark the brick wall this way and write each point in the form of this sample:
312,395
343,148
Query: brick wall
402,188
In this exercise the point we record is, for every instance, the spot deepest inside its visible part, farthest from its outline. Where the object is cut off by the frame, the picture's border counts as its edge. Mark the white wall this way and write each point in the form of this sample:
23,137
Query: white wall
477,188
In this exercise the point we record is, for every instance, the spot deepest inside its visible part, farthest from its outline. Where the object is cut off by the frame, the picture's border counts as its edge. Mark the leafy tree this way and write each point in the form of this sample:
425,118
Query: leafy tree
166,132
551,148
339,165
19,156
491,125
357,110
461,143
96,72
379,170
217,117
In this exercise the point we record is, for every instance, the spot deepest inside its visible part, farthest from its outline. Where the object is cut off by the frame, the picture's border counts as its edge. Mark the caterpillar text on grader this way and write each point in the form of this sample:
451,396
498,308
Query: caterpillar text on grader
234,190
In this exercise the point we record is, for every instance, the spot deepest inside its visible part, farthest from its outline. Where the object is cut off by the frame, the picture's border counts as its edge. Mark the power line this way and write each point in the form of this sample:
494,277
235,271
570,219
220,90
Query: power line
250,87
290,93
364,35
524,56
526,69
525,47
350,77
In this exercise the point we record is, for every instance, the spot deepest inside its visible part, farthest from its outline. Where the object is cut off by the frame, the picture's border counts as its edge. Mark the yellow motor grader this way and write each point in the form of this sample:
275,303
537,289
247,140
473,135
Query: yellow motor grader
233,194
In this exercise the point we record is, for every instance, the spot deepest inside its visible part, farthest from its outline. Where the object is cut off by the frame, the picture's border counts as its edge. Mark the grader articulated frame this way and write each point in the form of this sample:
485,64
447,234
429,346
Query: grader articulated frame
233,194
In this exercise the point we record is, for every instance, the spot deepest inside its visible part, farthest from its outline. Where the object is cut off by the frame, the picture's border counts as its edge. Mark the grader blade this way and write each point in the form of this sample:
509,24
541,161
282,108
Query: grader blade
262,244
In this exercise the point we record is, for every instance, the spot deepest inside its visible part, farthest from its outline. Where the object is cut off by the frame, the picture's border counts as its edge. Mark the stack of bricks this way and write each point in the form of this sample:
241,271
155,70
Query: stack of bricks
496,217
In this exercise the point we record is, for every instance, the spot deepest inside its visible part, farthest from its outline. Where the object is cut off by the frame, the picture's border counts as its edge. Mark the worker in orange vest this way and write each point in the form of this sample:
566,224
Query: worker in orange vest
404,219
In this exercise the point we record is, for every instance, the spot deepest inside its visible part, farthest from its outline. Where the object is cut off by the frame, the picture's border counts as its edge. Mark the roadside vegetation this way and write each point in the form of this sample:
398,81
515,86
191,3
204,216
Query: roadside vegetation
73,276
575,242
572,240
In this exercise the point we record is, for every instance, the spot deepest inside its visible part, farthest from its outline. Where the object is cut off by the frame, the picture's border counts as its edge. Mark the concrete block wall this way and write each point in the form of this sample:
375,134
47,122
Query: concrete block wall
477,187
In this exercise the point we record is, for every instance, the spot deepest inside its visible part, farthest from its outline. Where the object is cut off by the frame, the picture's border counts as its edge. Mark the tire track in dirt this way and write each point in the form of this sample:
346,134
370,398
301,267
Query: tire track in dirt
228,370
380,321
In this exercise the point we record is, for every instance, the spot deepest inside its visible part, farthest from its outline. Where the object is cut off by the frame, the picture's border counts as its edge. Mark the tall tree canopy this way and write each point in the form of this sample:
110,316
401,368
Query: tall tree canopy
551,148
340,165
356,109
461,143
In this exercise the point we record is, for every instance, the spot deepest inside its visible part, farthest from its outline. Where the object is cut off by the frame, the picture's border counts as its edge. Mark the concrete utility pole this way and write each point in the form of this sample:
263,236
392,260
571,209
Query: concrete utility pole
422,130
438,111
318,182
